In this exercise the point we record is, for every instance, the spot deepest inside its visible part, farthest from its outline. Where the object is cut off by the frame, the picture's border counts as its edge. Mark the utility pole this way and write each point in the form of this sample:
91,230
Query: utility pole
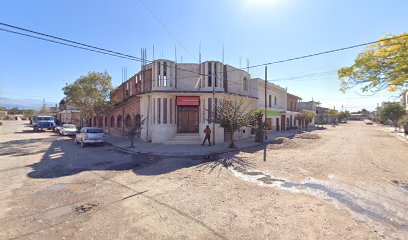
266,87
213,102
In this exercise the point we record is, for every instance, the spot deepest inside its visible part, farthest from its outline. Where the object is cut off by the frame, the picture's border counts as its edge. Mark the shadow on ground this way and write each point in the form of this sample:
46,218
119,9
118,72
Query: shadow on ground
22,147
65,158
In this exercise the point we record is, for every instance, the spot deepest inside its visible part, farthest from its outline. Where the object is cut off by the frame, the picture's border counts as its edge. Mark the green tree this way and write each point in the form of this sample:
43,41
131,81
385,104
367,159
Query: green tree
305,118
29,112
232,115
308,118
332,114
90,93
393,112
382,65
343,115
14,110
259,125
403,122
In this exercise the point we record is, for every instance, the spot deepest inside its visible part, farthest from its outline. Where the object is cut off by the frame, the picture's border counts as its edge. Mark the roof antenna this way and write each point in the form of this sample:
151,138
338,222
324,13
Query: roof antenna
248,65
199,53
175,53
153,53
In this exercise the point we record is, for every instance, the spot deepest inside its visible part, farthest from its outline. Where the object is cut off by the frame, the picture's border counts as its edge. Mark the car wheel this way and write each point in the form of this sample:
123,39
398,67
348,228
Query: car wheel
82,144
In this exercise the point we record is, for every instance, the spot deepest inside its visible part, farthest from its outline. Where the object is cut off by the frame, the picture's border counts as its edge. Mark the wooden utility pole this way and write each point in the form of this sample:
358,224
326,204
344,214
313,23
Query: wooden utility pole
266,87
213,100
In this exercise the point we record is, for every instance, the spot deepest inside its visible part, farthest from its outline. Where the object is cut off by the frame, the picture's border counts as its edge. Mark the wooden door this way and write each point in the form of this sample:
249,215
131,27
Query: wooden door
187,119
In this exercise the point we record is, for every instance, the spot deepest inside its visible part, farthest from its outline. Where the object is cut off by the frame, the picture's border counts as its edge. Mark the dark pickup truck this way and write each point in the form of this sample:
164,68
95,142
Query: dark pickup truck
43,122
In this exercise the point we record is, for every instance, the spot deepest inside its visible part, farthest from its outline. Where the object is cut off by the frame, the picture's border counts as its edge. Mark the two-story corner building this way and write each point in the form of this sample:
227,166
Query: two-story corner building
404,99
276,103
178,99
292,110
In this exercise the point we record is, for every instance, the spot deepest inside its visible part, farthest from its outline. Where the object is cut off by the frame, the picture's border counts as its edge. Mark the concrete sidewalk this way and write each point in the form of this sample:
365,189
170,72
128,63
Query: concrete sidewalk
399,133
123,144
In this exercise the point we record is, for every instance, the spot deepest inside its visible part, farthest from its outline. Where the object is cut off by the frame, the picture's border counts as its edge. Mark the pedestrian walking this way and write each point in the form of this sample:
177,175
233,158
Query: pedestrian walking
207,132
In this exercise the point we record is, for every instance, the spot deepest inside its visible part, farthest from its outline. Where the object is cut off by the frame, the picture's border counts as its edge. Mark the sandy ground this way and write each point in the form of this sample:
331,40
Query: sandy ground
53,189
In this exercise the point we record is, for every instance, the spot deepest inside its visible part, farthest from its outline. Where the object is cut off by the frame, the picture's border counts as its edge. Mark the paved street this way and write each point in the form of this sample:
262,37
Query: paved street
347,182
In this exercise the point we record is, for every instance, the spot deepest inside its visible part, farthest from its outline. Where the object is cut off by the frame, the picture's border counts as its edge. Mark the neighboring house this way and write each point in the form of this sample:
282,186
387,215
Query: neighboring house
404,99
322,116
69,116
3,113
309,106
292,110
357,116
276,103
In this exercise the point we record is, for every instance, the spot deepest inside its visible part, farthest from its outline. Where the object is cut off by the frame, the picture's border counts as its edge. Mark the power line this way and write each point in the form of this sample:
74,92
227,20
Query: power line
67,40
129,57
166,28
321,53
90,47
66,44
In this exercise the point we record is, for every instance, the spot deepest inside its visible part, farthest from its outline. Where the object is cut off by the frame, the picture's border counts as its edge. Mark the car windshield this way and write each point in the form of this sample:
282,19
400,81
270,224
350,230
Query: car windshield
45,118
94,130
69,126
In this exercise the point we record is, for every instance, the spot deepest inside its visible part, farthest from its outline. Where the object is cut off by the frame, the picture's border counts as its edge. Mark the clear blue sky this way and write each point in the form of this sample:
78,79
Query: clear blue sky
260,30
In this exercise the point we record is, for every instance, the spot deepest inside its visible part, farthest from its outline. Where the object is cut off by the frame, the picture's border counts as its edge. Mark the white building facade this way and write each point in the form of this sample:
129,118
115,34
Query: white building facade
178,99
276,103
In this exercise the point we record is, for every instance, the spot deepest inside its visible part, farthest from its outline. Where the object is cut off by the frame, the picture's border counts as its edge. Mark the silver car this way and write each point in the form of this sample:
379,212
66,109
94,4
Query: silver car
68,129
90,135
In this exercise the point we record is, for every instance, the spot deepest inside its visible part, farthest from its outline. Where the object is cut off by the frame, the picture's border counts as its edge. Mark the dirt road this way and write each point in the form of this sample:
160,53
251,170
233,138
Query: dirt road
349,184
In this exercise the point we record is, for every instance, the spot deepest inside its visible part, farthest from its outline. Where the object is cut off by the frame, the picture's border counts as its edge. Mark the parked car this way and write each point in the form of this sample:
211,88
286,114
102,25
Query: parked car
68,129
368,122
43,122
57,129
343,121
90,135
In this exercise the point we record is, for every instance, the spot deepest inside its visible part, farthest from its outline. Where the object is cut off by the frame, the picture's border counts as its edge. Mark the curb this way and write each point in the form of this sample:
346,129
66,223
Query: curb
207,155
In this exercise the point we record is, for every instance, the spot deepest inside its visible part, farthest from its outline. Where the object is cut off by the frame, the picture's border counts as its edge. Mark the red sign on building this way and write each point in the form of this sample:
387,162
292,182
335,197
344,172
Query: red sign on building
188,101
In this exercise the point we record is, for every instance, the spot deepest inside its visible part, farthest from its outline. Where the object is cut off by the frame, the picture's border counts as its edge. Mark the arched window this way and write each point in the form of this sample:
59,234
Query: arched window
100,122
128,121
112,122
119,122
245,83
94,122
106,121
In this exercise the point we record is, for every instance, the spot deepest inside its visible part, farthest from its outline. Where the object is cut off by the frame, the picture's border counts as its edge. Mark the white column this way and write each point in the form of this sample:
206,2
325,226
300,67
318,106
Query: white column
212,76
161,74
205,74
154,71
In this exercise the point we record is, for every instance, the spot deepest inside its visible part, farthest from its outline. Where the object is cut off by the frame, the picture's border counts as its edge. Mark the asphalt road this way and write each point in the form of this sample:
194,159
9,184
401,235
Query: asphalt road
352,183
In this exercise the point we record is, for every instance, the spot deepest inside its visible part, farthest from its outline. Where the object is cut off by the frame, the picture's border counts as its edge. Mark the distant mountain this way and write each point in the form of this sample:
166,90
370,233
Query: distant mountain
24,103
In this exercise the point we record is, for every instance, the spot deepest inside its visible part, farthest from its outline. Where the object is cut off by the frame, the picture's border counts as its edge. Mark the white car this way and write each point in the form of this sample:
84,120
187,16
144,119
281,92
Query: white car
90,135
68,129
368,122
57,129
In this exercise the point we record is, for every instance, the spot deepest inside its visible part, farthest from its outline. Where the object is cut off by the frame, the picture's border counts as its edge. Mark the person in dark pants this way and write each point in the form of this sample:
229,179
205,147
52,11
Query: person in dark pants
207,132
